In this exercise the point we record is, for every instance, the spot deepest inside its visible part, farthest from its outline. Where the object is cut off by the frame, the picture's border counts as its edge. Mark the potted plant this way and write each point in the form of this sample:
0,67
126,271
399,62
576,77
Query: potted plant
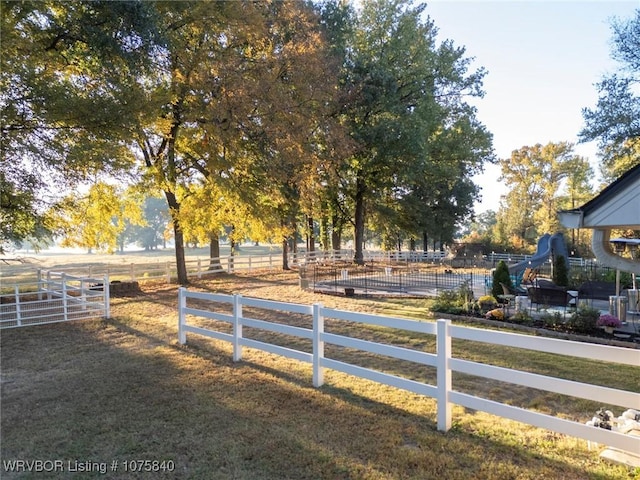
608,322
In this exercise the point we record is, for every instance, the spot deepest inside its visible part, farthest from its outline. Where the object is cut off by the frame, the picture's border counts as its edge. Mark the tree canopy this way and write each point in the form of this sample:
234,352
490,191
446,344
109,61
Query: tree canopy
257,117
615,121
65,73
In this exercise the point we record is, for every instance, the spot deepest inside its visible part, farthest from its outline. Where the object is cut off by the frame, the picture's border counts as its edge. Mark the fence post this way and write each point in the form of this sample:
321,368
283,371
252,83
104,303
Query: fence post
49,285
65,309
18,313
237,327
444,374
39,280
200,268
83,294
132,272
318,345
182,304
107,297
168,272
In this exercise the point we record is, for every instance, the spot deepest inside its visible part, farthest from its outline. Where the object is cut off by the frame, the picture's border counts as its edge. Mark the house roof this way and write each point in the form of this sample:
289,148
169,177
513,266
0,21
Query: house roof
617,206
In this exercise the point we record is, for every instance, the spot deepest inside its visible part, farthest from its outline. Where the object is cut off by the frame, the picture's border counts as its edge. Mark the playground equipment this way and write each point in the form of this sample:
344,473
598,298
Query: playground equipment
548,245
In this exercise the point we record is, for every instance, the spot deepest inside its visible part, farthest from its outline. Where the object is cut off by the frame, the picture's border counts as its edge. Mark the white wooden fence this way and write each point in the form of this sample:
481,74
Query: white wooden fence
200,267
211,306
59,297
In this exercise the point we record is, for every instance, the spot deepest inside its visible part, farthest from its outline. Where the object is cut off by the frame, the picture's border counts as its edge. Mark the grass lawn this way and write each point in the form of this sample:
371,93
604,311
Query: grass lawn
123,389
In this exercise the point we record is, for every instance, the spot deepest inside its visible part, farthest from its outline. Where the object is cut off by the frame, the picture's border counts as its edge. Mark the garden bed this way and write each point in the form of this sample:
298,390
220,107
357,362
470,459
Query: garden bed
597,336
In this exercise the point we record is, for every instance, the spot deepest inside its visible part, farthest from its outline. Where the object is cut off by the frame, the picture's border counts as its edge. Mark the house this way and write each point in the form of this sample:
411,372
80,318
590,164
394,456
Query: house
616,207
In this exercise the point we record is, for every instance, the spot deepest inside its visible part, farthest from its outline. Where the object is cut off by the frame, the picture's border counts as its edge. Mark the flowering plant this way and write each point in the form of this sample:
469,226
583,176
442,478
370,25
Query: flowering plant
607,320
496,314
487,299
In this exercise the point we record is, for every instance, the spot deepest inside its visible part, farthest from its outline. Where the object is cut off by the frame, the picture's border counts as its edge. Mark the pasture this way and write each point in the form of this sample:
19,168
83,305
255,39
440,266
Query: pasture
123,389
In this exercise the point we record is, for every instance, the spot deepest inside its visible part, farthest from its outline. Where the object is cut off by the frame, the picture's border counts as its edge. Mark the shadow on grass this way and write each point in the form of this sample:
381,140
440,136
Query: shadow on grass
103,391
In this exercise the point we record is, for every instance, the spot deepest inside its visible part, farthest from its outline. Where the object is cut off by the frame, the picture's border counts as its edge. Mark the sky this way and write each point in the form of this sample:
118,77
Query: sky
543,60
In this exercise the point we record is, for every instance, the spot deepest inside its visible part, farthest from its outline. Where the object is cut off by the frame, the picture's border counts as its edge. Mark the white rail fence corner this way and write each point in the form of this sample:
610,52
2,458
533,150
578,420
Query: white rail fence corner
59,297
192,305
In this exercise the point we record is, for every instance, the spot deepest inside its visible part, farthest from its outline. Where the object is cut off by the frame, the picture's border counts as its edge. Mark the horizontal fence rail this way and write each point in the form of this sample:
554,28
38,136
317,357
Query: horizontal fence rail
227,310
369,279
26,275
58,298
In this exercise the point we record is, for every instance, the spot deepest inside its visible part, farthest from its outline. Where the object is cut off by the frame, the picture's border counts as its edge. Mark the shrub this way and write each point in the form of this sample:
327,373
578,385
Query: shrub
487,299
500,275
522,318
454,301
584,320
560,273
486,303
551,319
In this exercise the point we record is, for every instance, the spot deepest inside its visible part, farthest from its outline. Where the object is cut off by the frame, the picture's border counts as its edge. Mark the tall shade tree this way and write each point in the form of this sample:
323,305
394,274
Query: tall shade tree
617,159
615,121
66,99
96,220
534,176
577,191
239,105
156,223
399,90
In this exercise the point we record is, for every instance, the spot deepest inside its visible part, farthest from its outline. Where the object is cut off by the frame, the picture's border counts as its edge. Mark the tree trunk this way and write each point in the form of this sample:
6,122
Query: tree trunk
324,232
311,239
294,240
214,251
232,248
359,223
285,253
174,208
336,233
425,241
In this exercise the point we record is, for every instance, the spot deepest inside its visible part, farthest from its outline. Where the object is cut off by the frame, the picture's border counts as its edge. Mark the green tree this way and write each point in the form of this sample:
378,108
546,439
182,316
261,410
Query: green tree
560,271
500,276
400,91
156,222
96,220
67,93
21,216
240,109
617,159
534,176
615,119
577,191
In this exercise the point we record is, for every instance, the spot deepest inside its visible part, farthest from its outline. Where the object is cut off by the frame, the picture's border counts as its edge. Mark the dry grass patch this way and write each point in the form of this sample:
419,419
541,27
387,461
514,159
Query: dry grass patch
124,389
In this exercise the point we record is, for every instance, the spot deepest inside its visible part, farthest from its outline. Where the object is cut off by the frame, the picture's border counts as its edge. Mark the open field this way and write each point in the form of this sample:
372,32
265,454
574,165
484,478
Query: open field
76,257
124,389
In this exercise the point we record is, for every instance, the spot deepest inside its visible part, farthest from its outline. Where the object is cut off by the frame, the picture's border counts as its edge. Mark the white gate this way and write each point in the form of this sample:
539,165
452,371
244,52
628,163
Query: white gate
59,298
